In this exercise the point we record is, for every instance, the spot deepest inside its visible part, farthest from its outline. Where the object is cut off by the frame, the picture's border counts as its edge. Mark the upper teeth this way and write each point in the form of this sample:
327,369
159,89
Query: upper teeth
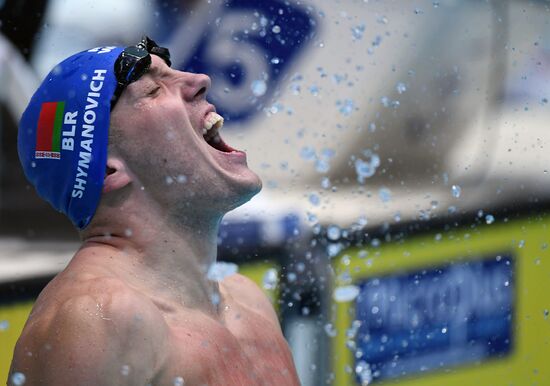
212,121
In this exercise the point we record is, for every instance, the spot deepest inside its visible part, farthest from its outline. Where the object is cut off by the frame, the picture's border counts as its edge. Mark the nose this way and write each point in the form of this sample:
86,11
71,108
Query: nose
196,86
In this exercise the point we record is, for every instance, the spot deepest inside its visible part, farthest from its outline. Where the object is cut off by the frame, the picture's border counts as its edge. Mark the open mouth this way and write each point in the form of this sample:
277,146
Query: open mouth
210,132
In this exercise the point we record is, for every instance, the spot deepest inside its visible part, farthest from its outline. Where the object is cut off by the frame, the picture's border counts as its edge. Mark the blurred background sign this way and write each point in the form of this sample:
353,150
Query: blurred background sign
451,307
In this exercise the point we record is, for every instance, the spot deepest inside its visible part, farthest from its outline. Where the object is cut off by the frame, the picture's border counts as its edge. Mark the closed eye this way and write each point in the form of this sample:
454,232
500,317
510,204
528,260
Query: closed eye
153,91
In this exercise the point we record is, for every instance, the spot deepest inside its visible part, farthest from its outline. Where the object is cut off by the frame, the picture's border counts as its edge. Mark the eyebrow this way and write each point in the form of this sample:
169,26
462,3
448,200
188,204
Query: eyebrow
156,71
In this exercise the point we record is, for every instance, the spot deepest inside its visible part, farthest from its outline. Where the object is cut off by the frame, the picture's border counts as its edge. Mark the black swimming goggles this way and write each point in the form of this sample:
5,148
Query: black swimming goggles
134,62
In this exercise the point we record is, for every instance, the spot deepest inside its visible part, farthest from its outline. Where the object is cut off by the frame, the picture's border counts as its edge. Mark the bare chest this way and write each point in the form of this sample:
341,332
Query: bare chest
246,350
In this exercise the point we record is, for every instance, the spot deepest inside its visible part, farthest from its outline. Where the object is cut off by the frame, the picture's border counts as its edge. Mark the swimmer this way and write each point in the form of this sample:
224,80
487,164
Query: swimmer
130,150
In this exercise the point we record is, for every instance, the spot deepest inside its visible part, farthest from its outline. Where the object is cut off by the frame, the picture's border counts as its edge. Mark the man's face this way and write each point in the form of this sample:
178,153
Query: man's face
159,122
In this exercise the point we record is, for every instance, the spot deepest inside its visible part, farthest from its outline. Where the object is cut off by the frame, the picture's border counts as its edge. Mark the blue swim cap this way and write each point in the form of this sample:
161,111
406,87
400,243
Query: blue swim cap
63,133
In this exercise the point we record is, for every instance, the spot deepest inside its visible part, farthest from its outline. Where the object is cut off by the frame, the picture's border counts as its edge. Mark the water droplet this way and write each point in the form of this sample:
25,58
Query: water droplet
544,100
489,219
346,107
276,29
125,370
308,153
215,299
220,270
456,191
178,381
357,31
314,199
322,165
366,169
435,4
352,331
291,277
333,249
334,232
18,379
384,194
275,60
312,218
314,90
546,312
181,179
330,330
270,279
4,325
521,244
401,87
128,232
169,180
325,183
444,330
258,87
382,20
346,293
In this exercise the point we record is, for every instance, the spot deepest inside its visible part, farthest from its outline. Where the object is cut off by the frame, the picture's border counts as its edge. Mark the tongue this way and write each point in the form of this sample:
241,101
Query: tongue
218,144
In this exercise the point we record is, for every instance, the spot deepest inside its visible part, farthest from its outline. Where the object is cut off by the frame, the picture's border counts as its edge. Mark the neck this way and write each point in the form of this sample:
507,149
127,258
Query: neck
166,256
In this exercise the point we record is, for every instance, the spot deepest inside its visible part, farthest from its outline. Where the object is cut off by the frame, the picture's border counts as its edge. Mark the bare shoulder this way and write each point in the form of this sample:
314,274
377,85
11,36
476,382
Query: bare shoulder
98,333
247,293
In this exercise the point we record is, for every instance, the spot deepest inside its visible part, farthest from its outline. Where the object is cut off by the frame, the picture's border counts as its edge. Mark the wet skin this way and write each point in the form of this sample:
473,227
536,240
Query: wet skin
134,306
100,328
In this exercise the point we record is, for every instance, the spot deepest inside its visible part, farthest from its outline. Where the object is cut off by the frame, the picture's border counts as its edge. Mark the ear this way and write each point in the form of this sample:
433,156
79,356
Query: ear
116,175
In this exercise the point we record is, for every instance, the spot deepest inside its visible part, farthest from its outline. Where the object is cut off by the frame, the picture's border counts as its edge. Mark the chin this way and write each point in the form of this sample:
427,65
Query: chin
245,190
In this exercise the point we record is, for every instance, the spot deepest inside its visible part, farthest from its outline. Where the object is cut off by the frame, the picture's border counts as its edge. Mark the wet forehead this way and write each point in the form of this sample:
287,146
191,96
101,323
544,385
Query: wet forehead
158,67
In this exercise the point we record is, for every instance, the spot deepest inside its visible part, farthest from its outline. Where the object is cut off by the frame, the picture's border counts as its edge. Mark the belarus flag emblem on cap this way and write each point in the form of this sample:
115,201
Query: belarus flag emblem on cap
48,131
